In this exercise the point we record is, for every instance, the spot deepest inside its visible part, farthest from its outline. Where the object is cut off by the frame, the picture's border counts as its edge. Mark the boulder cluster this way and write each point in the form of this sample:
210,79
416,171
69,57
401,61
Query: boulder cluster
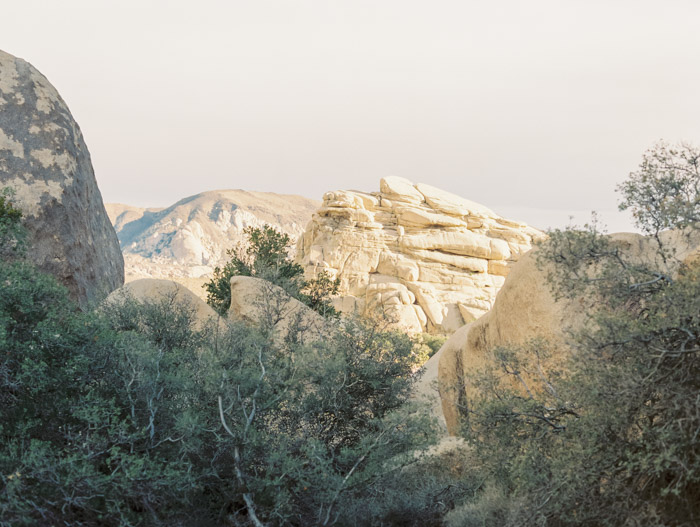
428,258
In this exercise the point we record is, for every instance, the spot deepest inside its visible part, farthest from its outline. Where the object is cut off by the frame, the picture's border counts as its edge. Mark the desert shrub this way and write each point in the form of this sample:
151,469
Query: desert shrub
266,255
137,414
99,427
12,235
429,344
490,506
609,437
303,424
418,493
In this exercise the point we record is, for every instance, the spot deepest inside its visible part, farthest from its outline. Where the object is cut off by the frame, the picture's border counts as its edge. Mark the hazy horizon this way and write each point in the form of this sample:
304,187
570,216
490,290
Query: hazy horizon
537,110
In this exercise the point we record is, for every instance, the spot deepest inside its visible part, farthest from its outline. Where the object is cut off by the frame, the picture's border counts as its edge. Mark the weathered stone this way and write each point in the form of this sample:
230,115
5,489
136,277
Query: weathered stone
525,310
454,205
187,240
256,301
399,189
153,290
43,158
448,255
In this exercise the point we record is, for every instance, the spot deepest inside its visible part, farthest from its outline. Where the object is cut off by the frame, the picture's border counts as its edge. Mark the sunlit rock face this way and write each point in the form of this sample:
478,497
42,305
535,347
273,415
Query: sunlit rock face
432,260
44,160
191,237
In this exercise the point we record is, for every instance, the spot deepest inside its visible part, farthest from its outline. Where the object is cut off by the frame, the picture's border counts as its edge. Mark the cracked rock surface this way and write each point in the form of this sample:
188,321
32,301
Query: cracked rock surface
428,258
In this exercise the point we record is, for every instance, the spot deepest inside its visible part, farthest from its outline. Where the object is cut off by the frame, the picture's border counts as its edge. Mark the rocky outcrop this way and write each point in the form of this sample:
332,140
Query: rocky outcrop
431,259
191,237
44,160
525,310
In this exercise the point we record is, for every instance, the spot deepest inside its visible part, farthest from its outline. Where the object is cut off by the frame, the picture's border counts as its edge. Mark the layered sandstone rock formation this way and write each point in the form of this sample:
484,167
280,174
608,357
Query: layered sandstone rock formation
429,258
525,310
185,241
43,158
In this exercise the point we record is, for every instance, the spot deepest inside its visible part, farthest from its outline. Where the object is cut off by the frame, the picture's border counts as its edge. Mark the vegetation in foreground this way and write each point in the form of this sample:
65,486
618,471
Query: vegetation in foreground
135,415
610,437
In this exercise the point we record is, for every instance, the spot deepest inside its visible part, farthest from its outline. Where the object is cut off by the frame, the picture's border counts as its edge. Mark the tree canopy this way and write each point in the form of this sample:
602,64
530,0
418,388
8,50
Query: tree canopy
266,255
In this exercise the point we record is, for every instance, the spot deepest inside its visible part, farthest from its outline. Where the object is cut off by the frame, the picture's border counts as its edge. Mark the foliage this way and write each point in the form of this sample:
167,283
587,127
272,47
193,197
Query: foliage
12,235
609,437
97,425
429,344
317,292
138,414
305,424
665,192
266,256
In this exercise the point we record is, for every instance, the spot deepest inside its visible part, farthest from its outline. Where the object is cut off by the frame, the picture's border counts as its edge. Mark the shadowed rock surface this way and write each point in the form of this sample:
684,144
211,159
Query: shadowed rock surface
44,159
153,290
525,310
258,302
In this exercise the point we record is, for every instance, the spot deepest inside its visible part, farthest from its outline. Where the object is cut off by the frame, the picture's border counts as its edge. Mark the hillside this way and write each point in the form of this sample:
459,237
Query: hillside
186,240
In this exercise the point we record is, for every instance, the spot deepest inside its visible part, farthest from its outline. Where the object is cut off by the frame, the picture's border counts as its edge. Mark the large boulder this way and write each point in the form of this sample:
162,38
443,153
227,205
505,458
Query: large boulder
153,290
43,158
432,260
525,310
259,302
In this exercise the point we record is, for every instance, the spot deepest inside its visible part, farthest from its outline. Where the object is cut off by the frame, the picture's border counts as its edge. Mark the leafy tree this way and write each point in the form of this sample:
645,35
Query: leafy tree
316,293
610,437
266,256
137,414
665,192
305,425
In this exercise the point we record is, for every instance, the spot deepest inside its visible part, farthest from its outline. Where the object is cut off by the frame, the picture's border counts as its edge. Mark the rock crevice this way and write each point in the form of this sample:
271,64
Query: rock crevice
428,258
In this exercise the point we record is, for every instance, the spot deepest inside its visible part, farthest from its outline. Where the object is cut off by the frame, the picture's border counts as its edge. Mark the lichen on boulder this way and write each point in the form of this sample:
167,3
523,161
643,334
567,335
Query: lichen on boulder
44,160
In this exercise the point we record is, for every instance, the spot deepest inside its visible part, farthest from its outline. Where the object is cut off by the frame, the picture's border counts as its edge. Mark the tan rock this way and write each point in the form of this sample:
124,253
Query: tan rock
437,250
155,290
259,302
415,217
399,189
452,204
524,309
191,237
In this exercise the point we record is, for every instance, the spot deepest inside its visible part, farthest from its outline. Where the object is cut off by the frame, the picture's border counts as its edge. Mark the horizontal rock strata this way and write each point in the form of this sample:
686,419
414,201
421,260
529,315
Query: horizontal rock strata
428,258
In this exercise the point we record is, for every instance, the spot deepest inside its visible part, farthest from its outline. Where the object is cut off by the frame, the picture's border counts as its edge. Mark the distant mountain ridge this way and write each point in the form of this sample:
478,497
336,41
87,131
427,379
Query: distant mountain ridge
189,238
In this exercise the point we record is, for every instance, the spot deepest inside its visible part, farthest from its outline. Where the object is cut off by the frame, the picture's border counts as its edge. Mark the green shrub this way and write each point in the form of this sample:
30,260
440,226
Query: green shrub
611,438
266,256
136,415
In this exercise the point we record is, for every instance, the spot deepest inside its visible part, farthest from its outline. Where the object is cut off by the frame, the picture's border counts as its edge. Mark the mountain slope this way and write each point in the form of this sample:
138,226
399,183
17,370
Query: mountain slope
191,237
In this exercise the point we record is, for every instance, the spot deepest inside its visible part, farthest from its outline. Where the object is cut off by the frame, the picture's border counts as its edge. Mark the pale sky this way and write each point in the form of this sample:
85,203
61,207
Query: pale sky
536,109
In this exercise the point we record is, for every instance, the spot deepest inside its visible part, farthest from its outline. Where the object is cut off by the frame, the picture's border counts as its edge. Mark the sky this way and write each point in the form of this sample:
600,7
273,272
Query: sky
537,108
